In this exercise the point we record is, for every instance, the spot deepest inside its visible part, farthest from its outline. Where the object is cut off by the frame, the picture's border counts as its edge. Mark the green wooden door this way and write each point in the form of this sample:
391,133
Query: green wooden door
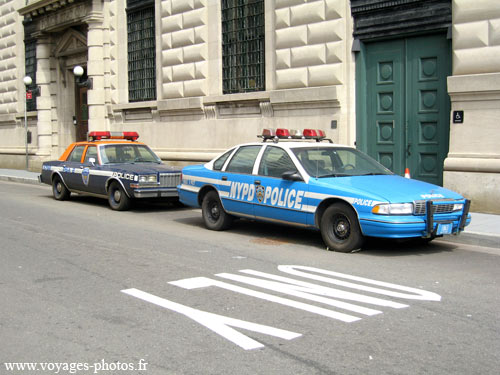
406,124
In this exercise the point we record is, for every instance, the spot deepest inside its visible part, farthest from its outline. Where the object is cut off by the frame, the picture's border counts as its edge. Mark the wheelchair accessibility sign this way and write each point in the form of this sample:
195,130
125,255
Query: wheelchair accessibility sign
458,117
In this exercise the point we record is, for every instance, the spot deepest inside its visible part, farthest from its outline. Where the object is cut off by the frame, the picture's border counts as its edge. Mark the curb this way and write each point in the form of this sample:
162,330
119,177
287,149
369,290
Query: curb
23,180
489,240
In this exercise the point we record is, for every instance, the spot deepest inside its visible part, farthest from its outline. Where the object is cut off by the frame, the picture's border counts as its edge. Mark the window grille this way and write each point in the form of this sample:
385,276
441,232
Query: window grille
243,58
30,70
141,51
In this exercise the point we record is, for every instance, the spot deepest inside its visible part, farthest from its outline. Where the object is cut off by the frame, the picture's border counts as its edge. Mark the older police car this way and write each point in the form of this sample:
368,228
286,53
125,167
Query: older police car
111,165
336,189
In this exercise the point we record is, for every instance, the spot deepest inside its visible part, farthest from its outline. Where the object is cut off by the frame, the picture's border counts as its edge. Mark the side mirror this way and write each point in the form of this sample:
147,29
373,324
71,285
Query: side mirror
92,161
292,176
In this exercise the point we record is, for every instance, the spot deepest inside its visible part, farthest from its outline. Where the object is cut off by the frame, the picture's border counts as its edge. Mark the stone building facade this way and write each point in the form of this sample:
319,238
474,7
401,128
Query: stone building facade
308,65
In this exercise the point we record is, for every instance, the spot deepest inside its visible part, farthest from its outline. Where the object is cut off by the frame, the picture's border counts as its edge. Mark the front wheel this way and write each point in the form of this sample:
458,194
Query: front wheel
340,228
59,190
117,198
213,213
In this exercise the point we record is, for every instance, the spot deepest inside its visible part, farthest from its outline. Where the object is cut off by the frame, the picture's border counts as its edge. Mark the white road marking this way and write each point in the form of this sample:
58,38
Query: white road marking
297,288
217,323
311,293
416,294
202,282
326,291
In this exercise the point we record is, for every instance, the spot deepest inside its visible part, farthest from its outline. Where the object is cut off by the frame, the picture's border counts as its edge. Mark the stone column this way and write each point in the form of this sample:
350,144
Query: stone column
95,71
43,101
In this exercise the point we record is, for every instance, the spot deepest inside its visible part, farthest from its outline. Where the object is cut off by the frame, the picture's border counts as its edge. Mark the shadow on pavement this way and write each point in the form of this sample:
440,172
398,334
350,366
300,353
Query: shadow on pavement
281,235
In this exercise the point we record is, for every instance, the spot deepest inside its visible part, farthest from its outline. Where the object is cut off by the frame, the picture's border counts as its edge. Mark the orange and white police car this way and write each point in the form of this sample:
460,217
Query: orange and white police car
111,165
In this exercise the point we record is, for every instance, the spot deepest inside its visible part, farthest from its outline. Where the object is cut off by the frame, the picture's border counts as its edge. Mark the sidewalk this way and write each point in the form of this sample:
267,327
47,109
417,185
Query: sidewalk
486,226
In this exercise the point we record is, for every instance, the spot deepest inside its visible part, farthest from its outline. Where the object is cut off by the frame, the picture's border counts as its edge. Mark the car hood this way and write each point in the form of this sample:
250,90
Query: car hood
390,188
141,168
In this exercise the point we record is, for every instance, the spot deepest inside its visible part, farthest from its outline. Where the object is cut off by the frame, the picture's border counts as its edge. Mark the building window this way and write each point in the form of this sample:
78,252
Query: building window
243,60
141,50
30,69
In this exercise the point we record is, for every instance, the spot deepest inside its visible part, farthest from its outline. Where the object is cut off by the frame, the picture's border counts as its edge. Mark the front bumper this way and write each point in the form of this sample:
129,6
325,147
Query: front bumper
170,192
408,226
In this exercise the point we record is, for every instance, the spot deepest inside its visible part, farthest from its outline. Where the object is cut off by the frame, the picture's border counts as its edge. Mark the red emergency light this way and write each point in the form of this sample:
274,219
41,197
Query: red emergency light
282,133
100,135
314,133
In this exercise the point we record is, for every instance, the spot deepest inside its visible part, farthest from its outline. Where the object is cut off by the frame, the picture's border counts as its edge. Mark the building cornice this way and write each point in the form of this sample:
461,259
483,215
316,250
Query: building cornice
40,7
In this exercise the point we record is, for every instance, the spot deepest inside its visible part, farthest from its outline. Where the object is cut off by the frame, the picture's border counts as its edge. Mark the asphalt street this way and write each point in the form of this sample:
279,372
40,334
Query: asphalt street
151,291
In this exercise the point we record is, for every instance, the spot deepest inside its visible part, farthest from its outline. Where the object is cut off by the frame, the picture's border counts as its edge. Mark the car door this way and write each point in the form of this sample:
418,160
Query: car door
279,199
93,178
72,168
238,173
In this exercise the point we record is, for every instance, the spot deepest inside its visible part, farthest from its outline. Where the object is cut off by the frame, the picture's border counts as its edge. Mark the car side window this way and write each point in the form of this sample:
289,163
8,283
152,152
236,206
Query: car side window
275,162
243,160
91,153
219,163
76,154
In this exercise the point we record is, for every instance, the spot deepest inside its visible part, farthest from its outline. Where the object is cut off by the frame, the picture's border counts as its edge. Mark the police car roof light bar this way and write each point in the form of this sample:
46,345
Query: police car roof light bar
276,134
99,135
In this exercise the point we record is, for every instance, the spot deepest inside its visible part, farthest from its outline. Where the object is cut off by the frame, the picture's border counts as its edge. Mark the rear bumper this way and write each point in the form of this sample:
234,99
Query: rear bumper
187,197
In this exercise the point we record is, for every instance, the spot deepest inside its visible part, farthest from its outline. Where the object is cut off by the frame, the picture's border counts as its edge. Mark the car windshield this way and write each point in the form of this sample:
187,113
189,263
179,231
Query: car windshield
337,162
127,153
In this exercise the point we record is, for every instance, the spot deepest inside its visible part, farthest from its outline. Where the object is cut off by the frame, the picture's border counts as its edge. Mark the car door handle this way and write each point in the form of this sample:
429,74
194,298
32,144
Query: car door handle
224,178
257,182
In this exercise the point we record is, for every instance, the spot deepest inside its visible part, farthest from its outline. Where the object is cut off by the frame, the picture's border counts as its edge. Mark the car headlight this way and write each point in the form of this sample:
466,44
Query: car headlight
393,209
150,178
458,207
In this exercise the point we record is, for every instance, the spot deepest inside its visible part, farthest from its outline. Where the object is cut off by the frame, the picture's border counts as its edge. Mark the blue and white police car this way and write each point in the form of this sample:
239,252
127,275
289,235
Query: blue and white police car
305,182
111,165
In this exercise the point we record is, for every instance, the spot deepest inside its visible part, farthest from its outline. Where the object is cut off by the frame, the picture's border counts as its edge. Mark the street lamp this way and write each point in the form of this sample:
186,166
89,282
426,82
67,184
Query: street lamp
78,72
27,82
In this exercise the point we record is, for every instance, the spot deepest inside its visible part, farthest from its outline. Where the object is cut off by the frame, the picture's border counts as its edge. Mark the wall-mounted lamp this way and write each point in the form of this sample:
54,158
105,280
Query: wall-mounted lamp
27,82
78,72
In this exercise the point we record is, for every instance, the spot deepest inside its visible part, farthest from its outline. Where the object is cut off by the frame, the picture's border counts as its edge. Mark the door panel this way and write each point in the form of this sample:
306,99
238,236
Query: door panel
386,105
82,114
428,106
408,106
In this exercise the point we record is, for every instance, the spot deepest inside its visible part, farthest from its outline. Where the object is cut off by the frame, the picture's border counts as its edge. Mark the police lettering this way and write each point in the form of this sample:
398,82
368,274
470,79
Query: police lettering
276,196
125,176
363,202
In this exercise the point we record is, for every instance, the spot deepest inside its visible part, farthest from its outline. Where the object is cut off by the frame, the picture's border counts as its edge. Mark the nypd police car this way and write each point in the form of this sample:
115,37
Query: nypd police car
111,165
309,183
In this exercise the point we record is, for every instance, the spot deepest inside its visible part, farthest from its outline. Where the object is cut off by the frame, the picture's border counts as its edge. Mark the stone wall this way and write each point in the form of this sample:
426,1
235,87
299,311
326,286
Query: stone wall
473,163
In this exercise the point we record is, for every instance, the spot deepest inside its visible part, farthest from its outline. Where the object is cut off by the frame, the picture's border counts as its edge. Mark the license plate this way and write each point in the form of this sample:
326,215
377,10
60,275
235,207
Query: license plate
444,229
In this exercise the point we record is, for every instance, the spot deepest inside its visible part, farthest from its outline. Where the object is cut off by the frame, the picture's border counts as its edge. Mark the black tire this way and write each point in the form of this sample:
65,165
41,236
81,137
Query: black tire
59,190
117,198
213,213
340,228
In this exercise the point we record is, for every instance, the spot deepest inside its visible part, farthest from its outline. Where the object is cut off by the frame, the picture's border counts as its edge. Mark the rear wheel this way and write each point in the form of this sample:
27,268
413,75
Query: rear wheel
213,213
340,228
59,190
117,198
